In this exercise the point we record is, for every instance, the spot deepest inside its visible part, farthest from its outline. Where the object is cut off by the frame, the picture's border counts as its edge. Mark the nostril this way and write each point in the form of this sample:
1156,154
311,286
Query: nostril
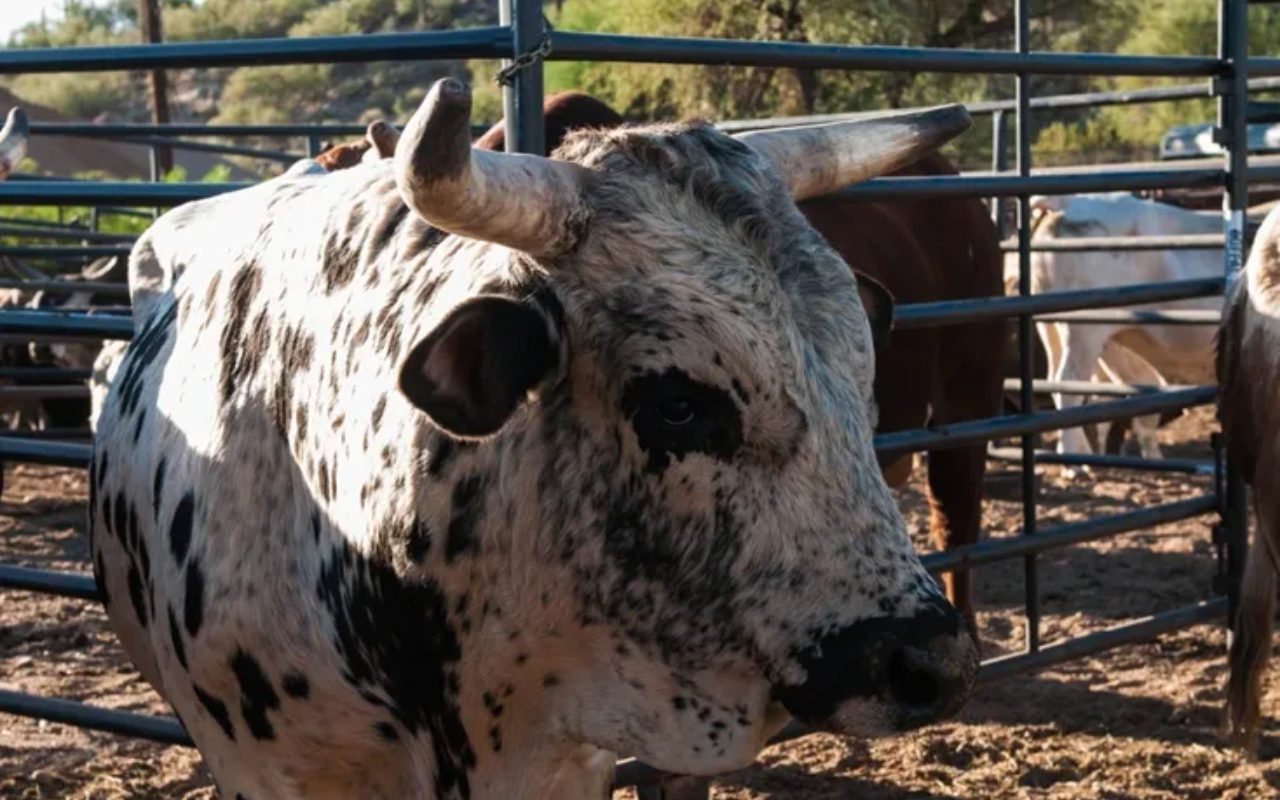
915,689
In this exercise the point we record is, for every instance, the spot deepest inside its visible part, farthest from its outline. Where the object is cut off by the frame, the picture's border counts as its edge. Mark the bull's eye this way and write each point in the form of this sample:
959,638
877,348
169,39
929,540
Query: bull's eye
673,414
676,412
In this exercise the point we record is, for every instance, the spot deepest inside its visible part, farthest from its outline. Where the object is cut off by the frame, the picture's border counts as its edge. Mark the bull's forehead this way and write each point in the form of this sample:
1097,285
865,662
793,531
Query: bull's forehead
692,234
683,192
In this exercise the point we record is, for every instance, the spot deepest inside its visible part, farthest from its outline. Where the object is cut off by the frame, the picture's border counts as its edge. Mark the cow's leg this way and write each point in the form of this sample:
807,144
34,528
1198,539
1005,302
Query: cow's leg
1122,365
1081,346
969,386
1105,435
1052,343
955,505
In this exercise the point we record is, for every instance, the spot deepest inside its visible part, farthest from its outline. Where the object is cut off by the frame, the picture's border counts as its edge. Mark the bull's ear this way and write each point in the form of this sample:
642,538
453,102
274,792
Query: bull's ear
474,369
878,304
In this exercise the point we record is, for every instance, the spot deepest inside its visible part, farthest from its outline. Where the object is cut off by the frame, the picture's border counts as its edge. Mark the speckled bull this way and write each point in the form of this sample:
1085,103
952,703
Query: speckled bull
451,474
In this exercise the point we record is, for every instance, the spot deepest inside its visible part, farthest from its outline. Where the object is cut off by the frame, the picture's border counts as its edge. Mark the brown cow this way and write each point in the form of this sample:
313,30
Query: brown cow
925,250
1248,363
563,112
379,142
920,250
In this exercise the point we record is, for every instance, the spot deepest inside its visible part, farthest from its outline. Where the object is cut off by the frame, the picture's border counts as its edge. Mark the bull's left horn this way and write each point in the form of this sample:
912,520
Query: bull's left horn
13,141
818,159
528,203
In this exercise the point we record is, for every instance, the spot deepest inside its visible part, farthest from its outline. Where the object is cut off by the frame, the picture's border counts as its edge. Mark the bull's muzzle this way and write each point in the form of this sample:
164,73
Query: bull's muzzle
887,674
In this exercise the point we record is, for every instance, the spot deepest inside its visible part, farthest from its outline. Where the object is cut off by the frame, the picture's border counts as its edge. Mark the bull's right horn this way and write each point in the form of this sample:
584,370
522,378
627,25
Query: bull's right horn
524,202
13,141
817,159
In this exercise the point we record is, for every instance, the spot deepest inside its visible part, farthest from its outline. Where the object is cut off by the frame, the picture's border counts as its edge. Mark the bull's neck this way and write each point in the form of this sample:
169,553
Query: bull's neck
516,666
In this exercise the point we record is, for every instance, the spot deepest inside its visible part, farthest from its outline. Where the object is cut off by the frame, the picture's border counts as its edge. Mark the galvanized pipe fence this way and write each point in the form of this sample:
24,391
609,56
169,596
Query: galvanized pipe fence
523,29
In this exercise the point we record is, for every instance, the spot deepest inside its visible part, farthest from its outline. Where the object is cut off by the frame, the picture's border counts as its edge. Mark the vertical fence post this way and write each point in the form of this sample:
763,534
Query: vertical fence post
157,82
156,168
1026,342
999,163
1233,97
522,96
157,172
314,145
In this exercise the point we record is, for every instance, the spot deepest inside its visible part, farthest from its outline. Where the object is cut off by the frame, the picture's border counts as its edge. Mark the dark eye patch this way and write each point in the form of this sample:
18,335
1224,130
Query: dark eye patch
673,414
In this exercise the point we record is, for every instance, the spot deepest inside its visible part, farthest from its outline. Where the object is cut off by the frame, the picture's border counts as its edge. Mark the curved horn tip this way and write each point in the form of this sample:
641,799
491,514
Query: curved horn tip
436,143
950,120
448,99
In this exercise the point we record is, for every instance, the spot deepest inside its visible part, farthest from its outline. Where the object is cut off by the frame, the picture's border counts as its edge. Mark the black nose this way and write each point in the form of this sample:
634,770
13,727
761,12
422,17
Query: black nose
917,669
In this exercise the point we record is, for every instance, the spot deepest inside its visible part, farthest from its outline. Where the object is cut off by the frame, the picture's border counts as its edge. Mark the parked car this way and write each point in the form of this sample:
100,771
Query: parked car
1192,141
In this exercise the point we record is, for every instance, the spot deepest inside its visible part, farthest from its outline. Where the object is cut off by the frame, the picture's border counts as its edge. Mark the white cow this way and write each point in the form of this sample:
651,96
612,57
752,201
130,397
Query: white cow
13,141
1123,353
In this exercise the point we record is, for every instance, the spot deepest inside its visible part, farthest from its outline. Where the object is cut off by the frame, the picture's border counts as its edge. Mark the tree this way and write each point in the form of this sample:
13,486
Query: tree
644,91
1157,27
347,92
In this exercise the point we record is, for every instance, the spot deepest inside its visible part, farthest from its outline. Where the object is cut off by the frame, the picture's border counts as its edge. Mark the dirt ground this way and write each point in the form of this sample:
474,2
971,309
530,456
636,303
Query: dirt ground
1137,722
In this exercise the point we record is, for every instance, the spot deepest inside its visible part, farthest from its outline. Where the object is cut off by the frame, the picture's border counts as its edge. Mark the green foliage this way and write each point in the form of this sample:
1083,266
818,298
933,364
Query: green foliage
84,96
276,94
644,91
83,23
299,93
1156,27
235,19
346,92
1095,141
657,91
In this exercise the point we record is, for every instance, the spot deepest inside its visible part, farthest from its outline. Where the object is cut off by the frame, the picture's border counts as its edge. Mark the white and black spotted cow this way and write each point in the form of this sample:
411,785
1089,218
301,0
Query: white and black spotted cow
14,139
446,475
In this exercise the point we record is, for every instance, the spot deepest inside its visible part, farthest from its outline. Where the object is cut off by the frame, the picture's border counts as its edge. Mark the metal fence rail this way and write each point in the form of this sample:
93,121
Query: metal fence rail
1112,317
166,730
1187,466
66,287
521,29
30,230
1091,388
56,434
56,454
54,192
959,434
66,323
1194,241
956,312
1060,102
575,46
50,251
49,391
491,42
61,584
